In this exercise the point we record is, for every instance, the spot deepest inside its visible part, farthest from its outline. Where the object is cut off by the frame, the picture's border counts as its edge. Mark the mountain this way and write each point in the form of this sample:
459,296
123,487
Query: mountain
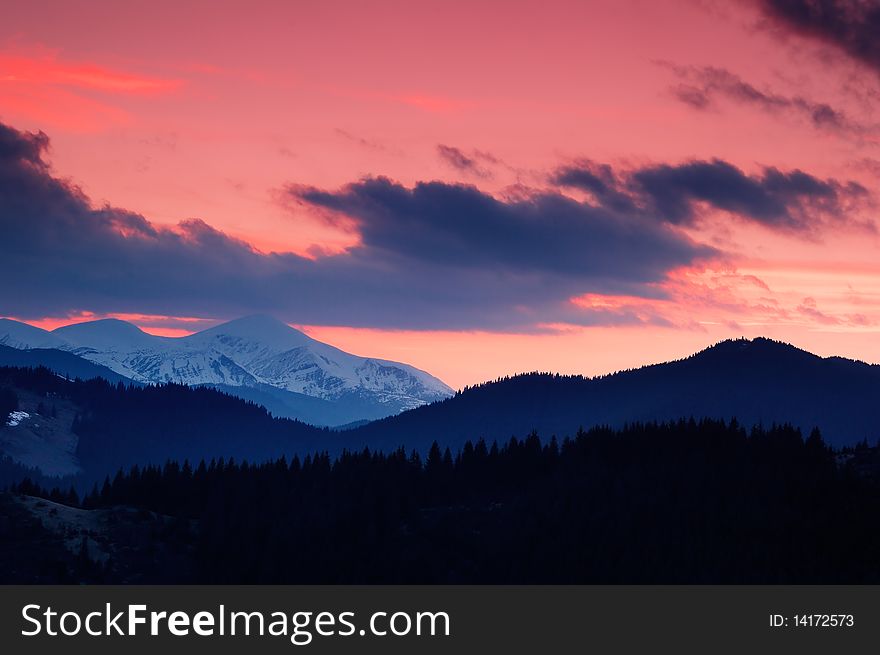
257,357
21,335
92,428
759,381
60,361
755,381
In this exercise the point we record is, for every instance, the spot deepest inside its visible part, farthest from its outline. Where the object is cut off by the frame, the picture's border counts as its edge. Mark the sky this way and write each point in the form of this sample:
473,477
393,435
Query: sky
475,188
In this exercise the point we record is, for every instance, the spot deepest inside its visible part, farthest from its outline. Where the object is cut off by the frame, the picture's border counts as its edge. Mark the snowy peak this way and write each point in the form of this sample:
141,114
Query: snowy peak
257,329
253,352
21,335
257,325
106,334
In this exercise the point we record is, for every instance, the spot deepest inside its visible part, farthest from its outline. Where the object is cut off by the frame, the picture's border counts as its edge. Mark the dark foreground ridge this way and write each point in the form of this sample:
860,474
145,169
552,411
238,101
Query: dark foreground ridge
685,502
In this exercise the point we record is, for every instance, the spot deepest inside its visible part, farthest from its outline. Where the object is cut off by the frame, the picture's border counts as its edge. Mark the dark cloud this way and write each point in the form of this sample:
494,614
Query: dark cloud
461,227
701,88
21,147
851,26
433,256
599,180
793,200
469,164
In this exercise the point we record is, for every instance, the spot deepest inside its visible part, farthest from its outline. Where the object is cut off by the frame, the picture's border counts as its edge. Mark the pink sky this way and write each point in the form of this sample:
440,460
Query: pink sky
211,110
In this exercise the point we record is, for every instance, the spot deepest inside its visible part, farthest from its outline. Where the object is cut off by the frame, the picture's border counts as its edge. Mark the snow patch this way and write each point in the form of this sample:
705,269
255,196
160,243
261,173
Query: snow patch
16,417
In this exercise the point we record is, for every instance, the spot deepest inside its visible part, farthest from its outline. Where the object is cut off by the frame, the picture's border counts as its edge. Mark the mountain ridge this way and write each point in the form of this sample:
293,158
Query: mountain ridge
757,381
249,352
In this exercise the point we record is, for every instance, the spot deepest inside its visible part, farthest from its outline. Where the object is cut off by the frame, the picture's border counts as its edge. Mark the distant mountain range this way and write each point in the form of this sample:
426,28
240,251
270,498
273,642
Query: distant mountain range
754,381
257,358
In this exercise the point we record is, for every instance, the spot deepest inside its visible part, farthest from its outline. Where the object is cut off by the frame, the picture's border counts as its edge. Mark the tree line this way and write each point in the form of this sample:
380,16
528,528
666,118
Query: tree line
682,502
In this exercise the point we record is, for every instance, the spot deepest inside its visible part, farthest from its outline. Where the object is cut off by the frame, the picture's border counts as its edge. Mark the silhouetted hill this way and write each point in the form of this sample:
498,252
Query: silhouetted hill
688,502
59,361
755,381
118,426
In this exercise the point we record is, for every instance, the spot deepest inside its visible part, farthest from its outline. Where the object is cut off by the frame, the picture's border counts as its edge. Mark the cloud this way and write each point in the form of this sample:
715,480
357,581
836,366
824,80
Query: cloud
792,200
784,200
700,88
600,181
460,227
809,309
22,148
434,256
73,96
49,70
850,26
359,140
469,164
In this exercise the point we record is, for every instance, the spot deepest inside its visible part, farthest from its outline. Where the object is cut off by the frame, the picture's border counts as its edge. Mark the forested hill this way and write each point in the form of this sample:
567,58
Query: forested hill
63,363
687,502
756,381
117,426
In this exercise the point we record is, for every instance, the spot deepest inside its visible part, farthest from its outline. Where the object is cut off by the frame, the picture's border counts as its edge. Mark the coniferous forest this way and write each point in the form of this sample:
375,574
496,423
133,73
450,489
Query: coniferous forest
683,502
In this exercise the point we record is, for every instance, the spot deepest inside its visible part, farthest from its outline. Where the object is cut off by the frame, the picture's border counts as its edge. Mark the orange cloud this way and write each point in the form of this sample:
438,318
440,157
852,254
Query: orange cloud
759,298
48,70
59,108
54,93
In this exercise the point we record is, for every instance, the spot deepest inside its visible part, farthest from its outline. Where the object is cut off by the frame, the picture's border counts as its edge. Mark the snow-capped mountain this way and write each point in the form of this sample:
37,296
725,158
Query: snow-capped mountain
255,357
21,335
